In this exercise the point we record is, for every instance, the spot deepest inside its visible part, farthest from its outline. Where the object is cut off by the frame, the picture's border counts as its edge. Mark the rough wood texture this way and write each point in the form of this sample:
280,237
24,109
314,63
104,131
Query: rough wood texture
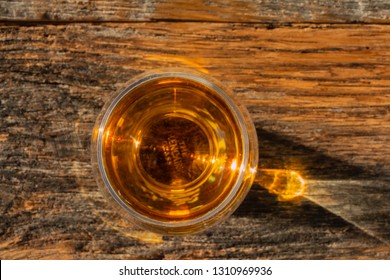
318,94
279,11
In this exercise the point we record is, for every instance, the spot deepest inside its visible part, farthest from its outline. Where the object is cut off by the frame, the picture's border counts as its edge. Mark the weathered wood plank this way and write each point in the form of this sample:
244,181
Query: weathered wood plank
336,11
326,87
319,96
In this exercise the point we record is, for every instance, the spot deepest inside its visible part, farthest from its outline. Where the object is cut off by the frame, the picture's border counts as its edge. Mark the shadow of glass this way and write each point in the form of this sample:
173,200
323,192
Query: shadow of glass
279,152
338,196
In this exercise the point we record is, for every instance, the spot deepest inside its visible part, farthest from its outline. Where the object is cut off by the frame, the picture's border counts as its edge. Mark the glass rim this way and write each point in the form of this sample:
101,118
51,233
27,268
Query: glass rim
240,120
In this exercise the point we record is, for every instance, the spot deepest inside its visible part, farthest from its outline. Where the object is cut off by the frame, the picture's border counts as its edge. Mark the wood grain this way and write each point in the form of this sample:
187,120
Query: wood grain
256,11
324,86
318,94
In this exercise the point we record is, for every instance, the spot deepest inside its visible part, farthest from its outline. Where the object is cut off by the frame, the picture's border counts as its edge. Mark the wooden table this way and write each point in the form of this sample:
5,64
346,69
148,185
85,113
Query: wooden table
315,76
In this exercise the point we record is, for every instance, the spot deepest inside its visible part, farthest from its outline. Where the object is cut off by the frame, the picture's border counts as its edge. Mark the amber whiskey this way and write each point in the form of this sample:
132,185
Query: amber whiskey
174,150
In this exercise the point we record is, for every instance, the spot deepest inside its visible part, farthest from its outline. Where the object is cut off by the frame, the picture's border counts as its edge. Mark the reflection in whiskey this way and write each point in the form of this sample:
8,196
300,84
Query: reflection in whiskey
173,151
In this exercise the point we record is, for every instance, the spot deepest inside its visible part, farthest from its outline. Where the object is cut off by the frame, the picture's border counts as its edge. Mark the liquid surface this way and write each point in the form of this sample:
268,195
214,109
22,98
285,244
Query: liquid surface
172,150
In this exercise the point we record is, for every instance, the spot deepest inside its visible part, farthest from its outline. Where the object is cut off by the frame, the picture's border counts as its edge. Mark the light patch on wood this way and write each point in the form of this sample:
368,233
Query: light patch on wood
196,63
131,231
4,137
142,235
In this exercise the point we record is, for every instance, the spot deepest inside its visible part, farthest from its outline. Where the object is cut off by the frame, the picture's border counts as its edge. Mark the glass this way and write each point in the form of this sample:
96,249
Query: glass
175,151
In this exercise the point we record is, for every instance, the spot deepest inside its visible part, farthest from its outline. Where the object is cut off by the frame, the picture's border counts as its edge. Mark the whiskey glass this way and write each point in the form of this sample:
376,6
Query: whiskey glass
175,152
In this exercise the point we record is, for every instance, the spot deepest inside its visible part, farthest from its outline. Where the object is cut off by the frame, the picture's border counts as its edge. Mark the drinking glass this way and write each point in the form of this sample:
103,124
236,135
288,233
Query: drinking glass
175,152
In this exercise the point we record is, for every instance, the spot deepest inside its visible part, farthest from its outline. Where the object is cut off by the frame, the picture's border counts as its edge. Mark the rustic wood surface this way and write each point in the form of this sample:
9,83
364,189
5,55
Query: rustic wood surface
318,94
272,11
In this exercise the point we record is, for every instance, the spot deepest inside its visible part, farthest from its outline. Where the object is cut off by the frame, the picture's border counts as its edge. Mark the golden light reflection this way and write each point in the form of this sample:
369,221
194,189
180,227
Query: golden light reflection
234,165
286,184
193,63
96,133
253,170
182,212
107,134
136,143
